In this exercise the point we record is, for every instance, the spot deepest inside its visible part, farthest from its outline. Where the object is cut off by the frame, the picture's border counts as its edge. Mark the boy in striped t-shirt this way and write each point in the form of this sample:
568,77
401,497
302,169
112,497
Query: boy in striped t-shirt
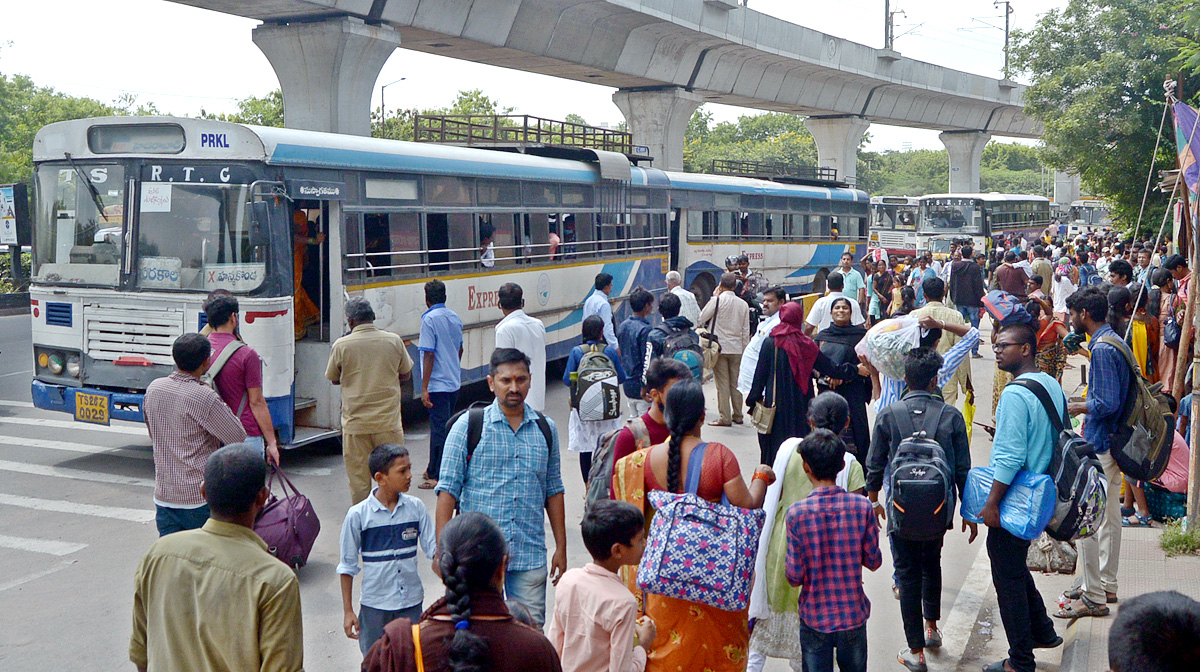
384,530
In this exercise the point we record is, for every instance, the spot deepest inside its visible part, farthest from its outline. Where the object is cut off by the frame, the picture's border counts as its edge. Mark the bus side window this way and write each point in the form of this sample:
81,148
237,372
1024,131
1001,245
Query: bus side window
452,244
391,244
504,237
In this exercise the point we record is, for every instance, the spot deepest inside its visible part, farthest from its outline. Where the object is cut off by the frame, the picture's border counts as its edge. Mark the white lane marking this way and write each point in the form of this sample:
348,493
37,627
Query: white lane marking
74,474
17,373
47,546
36,575
960,623
67,424
47,444
18,404
77,508
309,471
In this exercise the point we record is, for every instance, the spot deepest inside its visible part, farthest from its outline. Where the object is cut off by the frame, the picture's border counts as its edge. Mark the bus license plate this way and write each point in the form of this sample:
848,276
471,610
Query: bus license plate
91,408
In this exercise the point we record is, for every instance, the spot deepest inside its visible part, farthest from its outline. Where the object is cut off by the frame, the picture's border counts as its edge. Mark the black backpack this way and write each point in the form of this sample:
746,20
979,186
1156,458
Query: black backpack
475,426
921,494
1078,477
682,345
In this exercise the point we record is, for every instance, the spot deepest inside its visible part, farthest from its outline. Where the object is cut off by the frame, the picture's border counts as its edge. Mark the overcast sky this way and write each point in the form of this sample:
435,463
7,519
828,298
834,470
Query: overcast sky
185,59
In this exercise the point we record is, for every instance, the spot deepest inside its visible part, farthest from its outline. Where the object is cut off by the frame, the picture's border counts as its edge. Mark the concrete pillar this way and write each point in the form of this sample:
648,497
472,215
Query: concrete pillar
658,119
1066,188
327,70
837,141
966,151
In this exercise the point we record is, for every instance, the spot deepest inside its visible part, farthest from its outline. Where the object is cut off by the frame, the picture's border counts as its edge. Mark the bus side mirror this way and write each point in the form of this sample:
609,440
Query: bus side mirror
260,222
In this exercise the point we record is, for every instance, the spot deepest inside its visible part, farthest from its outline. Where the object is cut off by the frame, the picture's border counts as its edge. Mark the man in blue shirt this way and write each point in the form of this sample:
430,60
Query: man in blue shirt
441,347
1108,387
511,476
631,342
597,304
1024,439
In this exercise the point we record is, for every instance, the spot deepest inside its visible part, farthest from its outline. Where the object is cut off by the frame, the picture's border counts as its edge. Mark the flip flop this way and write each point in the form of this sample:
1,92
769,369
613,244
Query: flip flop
428,484
1089,609
998,666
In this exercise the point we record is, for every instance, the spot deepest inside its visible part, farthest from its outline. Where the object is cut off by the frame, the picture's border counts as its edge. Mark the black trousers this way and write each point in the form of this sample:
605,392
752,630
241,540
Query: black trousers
918,567
1021,608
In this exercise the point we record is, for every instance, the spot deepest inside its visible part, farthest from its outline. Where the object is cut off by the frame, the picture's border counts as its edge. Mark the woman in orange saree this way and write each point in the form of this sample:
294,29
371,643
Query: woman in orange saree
691,636
306,312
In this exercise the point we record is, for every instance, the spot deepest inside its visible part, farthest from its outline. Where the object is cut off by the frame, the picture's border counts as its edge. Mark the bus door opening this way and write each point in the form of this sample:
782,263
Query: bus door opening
310,267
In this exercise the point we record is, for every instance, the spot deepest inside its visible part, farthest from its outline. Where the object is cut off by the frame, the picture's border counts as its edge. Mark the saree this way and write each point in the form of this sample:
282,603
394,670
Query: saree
306,312
691,636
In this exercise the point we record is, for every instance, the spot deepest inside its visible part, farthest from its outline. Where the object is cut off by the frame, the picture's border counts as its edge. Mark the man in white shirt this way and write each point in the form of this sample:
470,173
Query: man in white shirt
773,298
688,306
819,317
597,304
527,334
487,257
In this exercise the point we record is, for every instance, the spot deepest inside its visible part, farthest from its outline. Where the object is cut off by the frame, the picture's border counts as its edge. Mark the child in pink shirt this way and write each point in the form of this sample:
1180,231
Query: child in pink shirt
596,627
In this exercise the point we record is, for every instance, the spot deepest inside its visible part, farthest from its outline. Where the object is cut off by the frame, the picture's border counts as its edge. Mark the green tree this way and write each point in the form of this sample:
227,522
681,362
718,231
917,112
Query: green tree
1097,69
258,111
774,137
398,125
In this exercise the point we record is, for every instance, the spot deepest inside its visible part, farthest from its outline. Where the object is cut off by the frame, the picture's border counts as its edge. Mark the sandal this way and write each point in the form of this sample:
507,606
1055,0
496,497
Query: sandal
429,484
998,666
1135,520
1089,608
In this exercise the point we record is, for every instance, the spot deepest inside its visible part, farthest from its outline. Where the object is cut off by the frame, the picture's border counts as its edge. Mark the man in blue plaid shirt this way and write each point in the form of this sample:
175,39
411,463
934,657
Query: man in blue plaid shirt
1108,387
831,536
512,476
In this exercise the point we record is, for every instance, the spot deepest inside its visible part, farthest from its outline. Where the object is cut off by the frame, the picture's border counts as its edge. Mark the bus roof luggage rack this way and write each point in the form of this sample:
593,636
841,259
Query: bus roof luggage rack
779,172
525,134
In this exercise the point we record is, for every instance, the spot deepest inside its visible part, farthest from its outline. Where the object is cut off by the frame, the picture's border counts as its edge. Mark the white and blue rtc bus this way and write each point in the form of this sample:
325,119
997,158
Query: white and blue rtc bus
138,219
980,219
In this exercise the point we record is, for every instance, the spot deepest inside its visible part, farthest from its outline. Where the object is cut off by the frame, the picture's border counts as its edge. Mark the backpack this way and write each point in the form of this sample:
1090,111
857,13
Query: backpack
600,475
1005,308
475,426
682,345
921,489
210,377
595,393
1081,488
1141,443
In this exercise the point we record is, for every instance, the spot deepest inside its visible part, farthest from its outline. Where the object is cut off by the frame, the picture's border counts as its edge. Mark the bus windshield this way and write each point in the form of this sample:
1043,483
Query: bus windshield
80,219
901,217
952,215
196,236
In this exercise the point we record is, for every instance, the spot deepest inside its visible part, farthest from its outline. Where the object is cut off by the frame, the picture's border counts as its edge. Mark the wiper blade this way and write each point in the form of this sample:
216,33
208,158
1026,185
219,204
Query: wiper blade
91,187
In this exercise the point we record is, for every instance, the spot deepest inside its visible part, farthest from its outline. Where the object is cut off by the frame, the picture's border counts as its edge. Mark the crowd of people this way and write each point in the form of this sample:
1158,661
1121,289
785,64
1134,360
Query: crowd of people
826,481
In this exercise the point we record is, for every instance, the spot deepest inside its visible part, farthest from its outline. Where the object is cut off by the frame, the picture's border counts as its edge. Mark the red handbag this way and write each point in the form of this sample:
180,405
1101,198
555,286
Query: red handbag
289,526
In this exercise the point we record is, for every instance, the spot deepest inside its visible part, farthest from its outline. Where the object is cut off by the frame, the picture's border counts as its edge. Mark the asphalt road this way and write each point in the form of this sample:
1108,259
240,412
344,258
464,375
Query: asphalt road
76,516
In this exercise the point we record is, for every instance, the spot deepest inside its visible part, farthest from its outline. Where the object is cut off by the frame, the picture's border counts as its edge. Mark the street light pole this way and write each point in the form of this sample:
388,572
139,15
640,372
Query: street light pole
383,105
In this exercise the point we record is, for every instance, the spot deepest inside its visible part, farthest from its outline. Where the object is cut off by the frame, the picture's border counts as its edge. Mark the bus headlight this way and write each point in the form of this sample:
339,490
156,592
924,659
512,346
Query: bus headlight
55,364
43,360
73,367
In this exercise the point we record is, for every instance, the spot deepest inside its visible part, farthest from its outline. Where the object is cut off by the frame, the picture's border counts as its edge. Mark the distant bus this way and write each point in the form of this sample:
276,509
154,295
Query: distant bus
980,219
1087,215
894,224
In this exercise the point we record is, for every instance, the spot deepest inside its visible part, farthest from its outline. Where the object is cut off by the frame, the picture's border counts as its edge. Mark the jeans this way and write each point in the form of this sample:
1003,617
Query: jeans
439,415
818,649
529,588
170,519
919,575
1021,608
371,622
1100,554
970,314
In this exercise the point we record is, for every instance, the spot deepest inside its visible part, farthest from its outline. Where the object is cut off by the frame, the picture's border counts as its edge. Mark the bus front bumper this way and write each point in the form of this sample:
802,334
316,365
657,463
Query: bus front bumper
120,405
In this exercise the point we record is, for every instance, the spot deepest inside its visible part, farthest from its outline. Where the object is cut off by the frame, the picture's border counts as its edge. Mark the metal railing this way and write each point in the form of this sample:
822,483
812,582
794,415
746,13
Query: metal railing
772,171
515,130
520,255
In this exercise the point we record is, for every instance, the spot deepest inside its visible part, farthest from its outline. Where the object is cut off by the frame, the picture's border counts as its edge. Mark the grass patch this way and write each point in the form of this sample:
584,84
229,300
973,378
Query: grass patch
1176,541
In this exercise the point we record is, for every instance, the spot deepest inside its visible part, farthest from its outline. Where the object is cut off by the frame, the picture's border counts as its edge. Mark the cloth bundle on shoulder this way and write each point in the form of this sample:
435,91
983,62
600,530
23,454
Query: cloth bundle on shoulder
289,526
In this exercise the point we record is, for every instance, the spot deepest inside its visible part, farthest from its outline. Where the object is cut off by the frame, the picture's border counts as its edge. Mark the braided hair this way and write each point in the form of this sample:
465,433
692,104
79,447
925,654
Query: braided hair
685,408
472,548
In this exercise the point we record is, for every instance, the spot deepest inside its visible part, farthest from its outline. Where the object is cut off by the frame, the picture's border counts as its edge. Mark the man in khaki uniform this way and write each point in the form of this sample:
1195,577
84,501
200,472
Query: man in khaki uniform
369,365
935,292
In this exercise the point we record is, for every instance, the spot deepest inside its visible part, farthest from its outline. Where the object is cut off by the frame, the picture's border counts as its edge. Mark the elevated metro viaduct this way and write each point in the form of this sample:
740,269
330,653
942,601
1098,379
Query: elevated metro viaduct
665,57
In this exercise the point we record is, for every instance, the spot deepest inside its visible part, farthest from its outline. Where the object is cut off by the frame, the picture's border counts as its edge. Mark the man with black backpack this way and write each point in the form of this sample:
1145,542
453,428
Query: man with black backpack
1108,391
925,443
674,339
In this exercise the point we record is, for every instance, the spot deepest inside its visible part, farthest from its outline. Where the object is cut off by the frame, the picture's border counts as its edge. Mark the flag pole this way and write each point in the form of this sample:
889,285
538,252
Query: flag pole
1190,252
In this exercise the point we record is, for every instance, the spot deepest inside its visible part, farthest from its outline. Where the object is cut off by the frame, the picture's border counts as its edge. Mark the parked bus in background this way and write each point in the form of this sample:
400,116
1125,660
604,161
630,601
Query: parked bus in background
981,219
1087,215
894,224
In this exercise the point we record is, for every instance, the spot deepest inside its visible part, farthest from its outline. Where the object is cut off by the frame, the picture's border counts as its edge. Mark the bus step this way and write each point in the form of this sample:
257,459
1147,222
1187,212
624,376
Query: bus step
303,403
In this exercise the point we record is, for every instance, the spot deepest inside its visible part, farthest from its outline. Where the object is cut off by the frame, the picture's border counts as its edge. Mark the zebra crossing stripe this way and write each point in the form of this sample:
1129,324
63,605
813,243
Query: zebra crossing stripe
46,444
71,424
74,474
77,508
47,546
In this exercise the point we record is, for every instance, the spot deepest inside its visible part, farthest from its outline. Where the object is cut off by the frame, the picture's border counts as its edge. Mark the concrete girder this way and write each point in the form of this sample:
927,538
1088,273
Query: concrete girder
327,70
658,118
965,149
837,141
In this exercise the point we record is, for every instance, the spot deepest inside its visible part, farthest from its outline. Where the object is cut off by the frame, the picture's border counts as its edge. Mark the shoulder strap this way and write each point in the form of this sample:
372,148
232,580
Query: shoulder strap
1043,396
546,433
1135,372
695,463
474,428
904,421
223,359
420,656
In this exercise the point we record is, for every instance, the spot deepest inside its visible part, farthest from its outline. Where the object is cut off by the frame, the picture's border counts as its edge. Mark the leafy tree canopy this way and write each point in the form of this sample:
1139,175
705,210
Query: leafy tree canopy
258,111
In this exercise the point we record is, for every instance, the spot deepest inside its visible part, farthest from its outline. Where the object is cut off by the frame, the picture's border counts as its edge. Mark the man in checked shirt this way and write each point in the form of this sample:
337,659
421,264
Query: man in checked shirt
831,536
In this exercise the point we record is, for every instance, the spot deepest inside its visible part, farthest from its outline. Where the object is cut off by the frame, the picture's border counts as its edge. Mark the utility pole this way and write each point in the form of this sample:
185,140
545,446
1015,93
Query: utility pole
383,105
889,25
1008,10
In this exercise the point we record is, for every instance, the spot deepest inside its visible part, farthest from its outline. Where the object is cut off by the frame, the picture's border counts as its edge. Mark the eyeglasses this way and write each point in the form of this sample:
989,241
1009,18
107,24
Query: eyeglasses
998,347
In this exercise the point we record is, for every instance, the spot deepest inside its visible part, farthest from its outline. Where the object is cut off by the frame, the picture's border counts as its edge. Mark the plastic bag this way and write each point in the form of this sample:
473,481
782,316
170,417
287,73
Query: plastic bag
1026,509
887,342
